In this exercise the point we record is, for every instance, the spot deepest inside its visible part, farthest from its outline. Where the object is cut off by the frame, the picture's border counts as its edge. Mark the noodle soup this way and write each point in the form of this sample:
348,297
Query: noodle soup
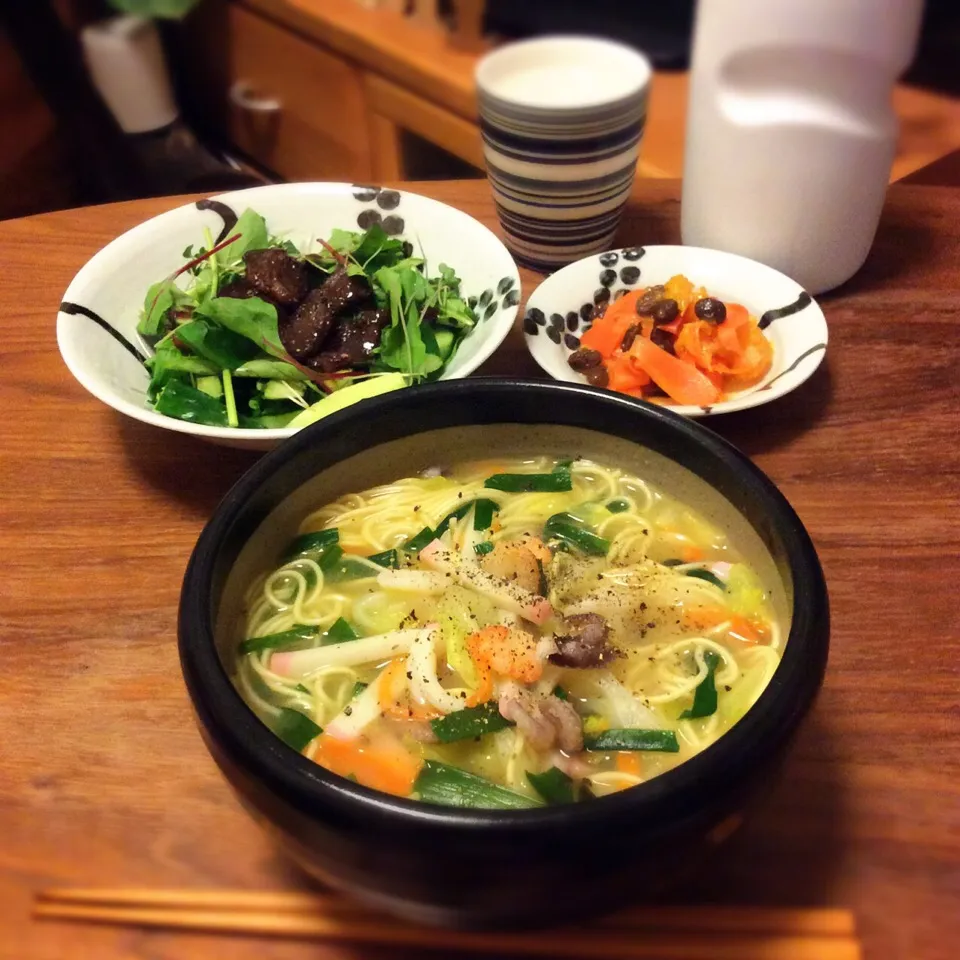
506,634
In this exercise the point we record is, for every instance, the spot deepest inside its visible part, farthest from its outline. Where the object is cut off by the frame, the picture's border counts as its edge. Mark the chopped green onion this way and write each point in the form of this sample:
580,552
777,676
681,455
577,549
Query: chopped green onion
483,513
553,785
312,543
469,723
358,688
557,482
417,543
618,506
295,729
338,566
629,738
482,548
451,787
568,529
671,563
560,693
340,632
275,641
702,574
705,696
388,558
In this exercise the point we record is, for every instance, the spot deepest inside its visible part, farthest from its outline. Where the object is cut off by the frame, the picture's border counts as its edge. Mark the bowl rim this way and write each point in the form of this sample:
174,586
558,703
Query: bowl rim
763,731
146,414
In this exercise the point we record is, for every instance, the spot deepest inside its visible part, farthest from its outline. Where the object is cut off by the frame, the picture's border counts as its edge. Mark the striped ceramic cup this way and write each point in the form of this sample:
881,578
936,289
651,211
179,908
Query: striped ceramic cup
561,119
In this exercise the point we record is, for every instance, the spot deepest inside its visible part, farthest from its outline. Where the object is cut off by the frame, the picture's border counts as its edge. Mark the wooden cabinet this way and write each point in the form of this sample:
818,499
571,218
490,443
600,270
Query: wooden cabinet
293,107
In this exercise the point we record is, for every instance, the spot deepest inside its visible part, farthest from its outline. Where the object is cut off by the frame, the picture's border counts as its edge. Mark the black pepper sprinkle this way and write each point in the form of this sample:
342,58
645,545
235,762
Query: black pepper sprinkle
727,687
348,711
409,674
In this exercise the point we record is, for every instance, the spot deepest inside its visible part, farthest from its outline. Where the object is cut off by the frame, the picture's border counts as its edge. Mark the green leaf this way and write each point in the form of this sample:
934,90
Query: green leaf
481,548
375,250
340,632
169,362
180,400
297,635
223,348
253,236
553,785
470,722
252,318
159,299
705,696
295,729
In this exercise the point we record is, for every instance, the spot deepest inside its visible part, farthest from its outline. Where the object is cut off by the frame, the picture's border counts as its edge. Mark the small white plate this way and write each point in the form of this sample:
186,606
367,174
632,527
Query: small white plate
790,318
97,322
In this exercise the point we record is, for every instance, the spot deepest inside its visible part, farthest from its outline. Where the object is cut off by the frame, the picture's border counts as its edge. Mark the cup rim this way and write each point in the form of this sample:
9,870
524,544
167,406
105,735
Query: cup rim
599,47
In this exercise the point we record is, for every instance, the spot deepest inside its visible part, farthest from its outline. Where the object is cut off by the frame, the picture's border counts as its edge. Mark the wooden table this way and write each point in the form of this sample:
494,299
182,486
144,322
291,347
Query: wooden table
104,780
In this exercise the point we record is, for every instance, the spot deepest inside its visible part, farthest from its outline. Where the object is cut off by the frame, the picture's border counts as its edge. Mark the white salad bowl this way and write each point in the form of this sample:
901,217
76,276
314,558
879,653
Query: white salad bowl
97,322
562,306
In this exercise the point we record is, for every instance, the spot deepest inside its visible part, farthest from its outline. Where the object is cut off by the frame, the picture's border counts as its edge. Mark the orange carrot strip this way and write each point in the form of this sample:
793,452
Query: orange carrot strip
624,375
381,763
691,554
750,632
681,381
628,762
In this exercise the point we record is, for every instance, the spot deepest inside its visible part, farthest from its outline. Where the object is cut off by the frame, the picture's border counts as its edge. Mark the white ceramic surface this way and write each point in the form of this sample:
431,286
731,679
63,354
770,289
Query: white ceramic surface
794,323
113,284
791,129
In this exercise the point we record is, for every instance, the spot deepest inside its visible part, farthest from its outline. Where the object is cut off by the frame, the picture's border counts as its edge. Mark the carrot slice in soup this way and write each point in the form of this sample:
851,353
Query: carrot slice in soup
380,762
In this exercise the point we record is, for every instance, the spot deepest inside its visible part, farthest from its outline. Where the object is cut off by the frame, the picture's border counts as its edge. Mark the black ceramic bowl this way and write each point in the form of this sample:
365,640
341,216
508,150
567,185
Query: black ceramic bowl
492,868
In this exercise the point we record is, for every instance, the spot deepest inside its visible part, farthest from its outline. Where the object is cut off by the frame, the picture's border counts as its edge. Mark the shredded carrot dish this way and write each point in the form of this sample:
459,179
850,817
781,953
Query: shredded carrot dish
674,341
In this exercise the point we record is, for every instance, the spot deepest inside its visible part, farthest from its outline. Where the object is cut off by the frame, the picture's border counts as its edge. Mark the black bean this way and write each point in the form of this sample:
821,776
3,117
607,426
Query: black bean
665,311
629,337
710,309
584,359
648,298
597,376
663,339
608,277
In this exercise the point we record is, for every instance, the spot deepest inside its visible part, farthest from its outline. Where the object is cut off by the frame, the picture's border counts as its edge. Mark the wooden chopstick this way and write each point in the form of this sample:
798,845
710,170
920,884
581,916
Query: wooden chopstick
793,921
671,933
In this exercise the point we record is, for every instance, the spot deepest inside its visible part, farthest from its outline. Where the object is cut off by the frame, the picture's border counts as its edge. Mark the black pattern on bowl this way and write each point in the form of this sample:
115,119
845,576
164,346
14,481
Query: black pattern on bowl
388,199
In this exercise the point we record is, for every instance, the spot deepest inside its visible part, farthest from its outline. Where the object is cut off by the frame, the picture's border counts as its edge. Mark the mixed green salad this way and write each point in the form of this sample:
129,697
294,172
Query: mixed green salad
263,334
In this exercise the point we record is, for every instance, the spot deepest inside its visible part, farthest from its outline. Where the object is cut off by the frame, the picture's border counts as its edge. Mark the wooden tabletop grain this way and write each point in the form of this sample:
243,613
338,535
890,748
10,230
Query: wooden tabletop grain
103,777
